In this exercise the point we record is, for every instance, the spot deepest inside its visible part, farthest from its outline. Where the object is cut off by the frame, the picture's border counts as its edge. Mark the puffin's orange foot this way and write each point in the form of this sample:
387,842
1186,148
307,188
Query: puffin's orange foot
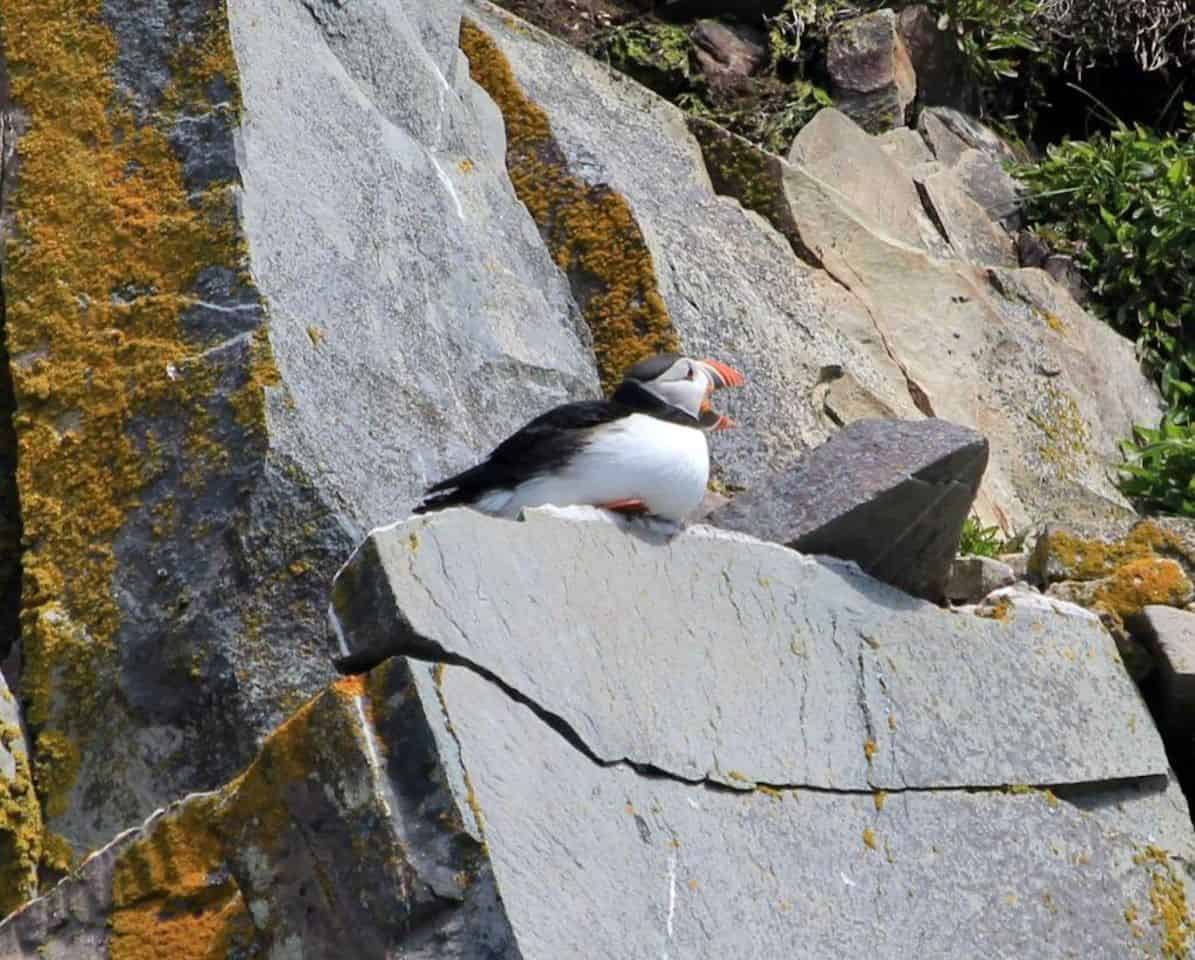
625,506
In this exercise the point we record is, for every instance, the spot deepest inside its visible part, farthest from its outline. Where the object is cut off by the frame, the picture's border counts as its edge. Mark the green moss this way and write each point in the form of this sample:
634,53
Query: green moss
590,230
657,55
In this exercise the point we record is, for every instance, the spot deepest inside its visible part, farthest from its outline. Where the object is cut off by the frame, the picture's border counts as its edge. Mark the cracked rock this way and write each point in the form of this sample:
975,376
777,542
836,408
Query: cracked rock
891,495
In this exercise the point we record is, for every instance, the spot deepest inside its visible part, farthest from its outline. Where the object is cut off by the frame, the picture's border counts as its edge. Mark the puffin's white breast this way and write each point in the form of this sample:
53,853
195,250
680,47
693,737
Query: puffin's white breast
665,465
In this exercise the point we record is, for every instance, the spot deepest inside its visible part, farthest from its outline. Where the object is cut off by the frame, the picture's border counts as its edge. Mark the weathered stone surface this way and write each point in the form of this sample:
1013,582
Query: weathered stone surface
889,494
1064,553
872,78
710,656
1015,357
1170,636
839,153
296,259
972,234
990,185
907,147
950,132
973,578
941,68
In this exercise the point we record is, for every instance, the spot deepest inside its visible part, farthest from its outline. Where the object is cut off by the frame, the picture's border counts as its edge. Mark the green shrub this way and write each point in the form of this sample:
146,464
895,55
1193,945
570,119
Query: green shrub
980,541
1160,467
1123,205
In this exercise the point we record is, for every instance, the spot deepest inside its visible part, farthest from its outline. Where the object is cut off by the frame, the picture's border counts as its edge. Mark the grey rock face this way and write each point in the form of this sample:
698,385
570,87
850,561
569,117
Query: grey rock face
966,224
872,78
1170,636
553,731
973,578
523,795
370,308
891,495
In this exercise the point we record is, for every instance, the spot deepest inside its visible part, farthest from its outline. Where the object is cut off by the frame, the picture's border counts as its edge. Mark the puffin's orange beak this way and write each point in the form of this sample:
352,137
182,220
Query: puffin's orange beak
722,374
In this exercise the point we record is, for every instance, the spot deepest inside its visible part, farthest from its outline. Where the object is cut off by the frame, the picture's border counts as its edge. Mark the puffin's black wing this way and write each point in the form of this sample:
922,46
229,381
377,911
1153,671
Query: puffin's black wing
545,444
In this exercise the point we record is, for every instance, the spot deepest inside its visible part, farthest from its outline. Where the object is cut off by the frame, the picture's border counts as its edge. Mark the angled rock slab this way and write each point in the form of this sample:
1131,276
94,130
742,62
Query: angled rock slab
319,293
891,495
343,838
1170,636
972,234
710,655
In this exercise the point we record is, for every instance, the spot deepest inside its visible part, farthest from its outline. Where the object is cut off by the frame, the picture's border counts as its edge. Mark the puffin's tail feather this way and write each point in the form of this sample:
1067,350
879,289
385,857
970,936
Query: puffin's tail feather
440,501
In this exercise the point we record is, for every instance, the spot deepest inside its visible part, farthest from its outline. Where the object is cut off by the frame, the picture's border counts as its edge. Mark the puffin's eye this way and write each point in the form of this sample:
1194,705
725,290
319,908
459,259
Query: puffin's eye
690,374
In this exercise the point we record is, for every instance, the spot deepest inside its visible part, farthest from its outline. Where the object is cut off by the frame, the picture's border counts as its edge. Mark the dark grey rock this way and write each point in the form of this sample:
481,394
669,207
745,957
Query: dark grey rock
1066,272
973,578
941,67
967,133
991,186
891,495
725,50
1170,636
872,78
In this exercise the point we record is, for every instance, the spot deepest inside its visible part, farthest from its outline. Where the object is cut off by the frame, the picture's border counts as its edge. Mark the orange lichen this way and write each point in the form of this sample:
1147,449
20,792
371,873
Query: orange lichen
1138,583
870,749
172,896
589,229
880,797
869,839
101,265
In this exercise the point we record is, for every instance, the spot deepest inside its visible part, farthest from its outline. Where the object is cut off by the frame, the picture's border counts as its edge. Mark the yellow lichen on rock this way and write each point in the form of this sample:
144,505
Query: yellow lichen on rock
1083,558
101,265
1170,914
20,825
590,230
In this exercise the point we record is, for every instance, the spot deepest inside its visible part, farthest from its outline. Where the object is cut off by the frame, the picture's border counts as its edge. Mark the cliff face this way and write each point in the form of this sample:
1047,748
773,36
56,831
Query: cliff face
271,268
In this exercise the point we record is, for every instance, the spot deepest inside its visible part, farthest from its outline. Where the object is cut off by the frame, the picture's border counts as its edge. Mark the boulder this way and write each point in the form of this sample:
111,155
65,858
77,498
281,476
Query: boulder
871,77
291,284
951,132
575,771
726,52
973,578
941,68
1169,635
1074,553
891,495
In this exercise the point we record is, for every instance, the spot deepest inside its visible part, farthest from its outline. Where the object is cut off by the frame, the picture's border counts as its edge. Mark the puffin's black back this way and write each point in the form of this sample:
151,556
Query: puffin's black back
545,444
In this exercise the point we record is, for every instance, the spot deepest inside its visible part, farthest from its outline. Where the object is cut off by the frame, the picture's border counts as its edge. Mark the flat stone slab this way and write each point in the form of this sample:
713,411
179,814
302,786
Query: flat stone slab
596,861
714,656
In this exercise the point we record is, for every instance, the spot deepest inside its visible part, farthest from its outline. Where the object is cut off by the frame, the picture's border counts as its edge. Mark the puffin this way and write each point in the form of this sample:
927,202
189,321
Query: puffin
643,451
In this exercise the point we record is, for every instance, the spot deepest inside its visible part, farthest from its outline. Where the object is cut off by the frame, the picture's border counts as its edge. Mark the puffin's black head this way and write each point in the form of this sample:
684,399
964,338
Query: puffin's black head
686,384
